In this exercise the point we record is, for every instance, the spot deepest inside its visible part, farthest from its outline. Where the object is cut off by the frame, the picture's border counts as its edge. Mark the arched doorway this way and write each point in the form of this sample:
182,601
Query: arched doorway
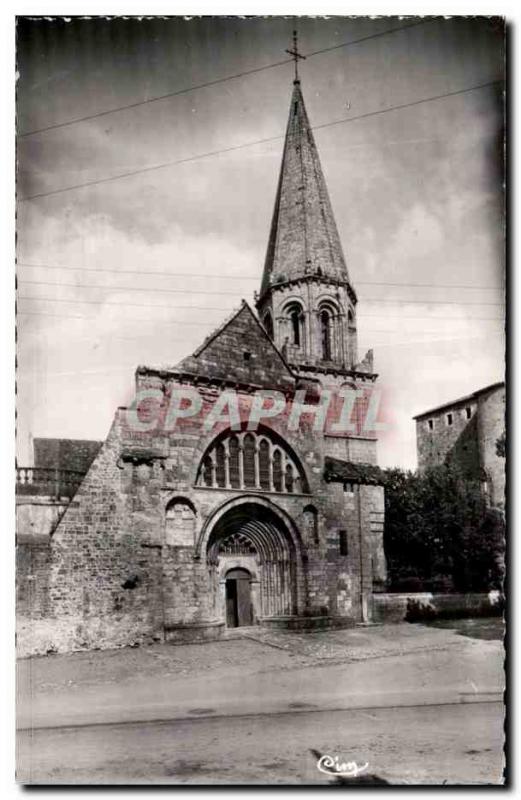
251,545
238,598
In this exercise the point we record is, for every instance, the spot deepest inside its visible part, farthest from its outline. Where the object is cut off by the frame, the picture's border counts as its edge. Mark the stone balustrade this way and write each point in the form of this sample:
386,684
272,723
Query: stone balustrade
47,481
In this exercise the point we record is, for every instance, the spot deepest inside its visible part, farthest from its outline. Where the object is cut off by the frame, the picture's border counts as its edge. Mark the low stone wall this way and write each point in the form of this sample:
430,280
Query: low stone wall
194,632
36,637
37,517
304,624
414,606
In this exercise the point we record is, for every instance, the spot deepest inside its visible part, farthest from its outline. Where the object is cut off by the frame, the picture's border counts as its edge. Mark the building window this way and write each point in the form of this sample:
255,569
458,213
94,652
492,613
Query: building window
295,327
246,355
348,488
325,334
220,464
251,461
430,424
295,320
277,471
180,524
311,524
468,412
289,479
342,542
264,465
234,457
449,419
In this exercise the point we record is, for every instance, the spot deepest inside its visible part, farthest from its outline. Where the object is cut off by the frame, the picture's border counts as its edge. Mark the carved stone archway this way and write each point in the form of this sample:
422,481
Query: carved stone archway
251,535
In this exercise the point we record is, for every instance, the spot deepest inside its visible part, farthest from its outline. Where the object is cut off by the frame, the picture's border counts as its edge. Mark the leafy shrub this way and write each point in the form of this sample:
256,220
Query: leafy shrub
419,612
439,532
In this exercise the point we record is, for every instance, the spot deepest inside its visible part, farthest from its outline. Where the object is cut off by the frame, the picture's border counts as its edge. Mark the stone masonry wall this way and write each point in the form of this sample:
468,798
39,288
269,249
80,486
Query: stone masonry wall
113,575
433,446
491,424
396,608
37,516
103,585
33,561
469,443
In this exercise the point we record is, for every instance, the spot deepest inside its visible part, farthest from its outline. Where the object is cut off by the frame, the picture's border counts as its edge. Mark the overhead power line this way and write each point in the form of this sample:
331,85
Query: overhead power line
116,368
139,305
156,290
166,274
267,140
200,323
215,82
229,310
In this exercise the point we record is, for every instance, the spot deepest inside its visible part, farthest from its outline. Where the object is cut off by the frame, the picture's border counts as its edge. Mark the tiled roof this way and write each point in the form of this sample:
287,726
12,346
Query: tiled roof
338,471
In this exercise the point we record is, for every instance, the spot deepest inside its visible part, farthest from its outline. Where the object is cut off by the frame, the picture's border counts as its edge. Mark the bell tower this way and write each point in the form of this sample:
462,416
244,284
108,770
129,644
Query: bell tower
306,302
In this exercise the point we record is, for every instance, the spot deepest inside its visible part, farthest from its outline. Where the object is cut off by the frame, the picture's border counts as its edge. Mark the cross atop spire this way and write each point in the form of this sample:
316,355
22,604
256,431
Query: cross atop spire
296,55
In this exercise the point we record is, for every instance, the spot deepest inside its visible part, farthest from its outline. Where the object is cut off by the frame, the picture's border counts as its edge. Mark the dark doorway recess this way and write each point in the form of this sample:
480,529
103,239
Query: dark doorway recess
238,598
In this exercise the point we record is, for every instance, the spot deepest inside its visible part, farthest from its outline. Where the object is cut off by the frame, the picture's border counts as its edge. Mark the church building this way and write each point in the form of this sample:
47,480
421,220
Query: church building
191,520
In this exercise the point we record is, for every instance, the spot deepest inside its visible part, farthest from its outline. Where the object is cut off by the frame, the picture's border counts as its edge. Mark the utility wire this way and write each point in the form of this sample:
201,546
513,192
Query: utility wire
202,323
230,310
267,140
215,82
116,368
155,290
242,277
141,305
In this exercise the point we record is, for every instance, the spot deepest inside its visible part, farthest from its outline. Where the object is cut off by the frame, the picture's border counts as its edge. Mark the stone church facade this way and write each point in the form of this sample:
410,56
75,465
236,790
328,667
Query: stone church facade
180,528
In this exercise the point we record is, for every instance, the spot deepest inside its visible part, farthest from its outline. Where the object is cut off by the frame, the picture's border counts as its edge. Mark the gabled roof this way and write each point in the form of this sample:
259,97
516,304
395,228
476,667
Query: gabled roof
303,238
240,350
466,399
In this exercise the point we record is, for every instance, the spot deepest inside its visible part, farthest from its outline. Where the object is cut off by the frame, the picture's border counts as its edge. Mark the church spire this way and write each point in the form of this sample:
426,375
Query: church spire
306,301
303,238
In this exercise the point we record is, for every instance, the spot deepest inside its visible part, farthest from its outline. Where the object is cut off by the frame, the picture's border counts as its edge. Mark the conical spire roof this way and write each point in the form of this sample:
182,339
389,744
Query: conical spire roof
303,238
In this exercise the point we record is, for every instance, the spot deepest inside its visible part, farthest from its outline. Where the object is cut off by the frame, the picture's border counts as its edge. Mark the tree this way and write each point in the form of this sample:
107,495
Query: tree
438,533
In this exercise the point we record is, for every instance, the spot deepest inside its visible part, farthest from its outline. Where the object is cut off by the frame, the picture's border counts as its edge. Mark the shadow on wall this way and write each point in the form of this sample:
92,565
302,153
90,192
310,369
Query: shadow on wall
464,453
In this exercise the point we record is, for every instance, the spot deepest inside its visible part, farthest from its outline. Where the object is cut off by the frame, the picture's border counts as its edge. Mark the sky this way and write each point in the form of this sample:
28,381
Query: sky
417,194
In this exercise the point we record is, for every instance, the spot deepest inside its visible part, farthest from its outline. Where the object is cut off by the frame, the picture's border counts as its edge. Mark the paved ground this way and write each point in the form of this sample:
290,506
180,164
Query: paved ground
419,703
429,745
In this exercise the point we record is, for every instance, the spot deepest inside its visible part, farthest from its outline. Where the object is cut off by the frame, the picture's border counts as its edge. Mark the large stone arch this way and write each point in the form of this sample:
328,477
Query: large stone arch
256,499
270,433
275,546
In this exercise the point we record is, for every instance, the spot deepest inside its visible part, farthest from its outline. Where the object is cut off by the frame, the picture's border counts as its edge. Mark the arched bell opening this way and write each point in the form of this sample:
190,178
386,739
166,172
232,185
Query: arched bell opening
330,331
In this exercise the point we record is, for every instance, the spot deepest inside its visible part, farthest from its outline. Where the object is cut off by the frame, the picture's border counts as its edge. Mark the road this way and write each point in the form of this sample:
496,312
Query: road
455,744
419,705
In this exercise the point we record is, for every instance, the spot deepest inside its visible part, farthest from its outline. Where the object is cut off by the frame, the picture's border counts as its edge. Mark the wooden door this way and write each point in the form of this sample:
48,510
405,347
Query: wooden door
238,598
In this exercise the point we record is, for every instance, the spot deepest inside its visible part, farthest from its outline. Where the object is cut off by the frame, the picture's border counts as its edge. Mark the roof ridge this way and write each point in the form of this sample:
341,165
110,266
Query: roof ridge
211,336
462,399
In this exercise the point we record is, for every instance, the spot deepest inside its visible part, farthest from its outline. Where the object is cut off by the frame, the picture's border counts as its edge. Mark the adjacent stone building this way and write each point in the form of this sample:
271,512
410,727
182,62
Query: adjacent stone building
180,528
465,432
